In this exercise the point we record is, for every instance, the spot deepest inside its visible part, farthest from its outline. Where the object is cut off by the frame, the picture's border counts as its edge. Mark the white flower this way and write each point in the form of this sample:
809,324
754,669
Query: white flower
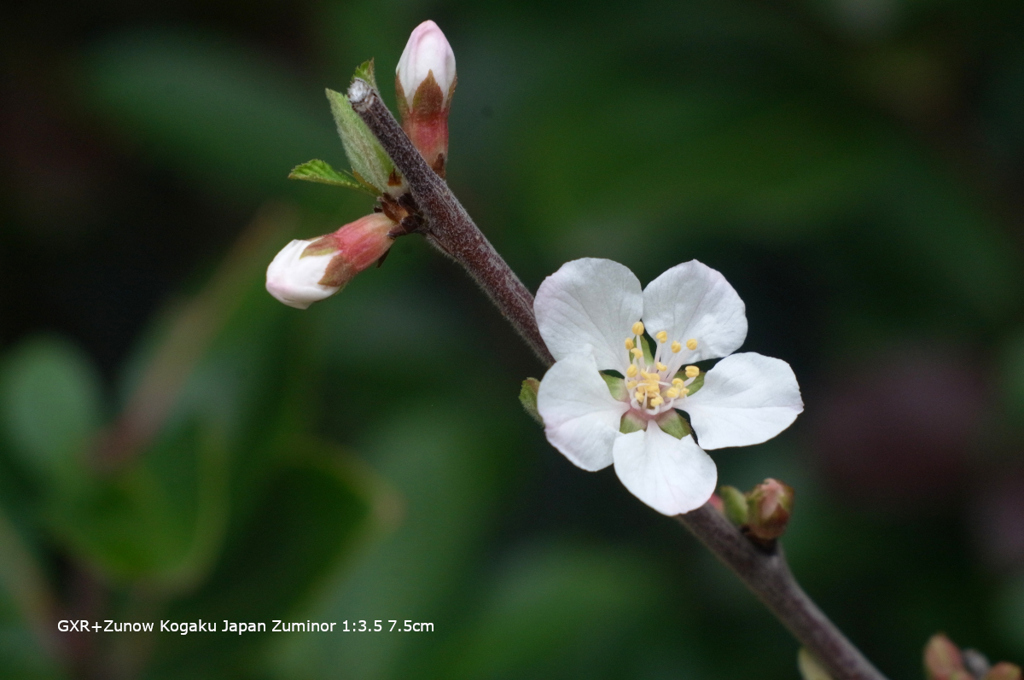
294,279
592,315
426,52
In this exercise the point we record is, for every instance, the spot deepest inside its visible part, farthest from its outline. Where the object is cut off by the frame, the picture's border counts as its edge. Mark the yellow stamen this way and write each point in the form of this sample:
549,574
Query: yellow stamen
662,336
691,344
661,366
676,347
638,328
672,393
692,371
677,383
640,396
631,384
657,401
683,392
637,352
631,371
630,344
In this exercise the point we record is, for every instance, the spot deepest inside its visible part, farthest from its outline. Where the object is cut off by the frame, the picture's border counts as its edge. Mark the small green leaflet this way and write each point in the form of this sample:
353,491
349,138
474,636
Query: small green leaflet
320,171
365,72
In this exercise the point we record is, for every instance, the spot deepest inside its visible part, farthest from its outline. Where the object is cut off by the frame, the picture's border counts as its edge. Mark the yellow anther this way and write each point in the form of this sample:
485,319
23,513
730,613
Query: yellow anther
638,328
630,344
640,396
691,344
692,371
637,352
657,401
676,347
672,393
677,383
683,392
631,371
631,384
661,366
662,336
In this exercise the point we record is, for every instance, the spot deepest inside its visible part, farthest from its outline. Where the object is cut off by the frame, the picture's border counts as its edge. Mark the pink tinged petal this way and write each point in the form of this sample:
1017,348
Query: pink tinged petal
426,52
746,399
295,280
589,301
671,475
581,418
694,301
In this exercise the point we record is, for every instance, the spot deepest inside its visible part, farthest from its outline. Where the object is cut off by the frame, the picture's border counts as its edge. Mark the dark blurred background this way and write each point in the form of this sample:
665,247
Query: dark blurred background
176,445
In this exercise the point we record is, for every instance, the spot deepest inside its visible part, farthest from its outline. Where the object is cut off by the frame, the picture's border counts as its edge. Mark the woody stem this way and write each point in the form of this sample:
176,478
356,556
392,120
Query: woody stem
448,226
451,229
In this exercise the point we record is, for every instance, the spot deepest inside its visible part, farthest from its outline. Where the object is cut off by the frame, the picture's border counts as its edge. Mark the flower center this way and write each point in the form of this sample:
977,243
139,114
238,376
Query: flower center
652,382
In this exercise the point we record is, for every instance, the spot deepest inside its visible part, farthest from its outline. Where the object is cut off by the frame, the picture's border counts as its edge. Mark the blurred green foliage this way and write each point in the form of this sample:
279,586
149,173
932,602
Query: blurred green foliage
174,444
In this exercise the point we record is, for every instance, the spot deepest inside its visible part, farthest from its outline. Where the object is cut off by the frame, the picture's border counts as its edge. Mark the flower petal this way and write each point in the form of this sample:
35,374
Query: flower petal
671,475
694,301
746,399
581,417
589,301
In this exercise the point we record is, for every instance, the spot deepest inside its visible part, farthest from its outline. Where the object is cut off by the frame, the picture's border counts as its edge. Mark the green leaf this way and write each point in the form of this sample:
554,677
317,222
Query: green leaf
50,404
370,162
365,72
26,610
528,398
162,517
320,171
210,110
320,507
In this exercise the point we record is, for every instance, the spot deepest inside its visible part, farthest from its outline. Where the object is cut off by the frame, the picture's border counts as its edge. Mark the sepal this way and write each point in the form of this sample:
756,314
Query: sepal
528,398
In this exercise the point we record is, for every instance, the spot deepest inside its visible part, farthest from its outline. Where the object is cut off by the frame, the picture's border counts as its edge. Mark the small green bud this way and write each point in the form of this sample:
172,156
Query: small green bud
734,504
769,507
528,398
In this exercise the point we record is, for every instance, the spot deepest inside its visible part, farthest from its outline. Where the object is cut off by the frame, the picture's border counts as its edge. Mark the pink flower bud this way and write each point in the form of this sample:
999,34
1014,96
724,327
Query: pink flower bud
425,82
305,272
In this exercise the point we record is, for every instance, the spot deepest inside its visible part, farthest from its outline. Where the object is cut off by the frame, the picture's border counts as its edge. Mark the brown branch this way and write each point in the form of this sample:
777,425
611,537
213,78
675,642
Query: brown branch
767,575
449,227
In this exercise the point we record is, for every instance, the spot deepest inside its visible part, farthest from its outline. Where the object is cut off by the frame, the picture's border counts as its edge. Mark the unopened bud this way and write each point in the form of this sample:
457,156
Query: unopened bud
943,660
1004,671
769,506
425,82
305,272
734,504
